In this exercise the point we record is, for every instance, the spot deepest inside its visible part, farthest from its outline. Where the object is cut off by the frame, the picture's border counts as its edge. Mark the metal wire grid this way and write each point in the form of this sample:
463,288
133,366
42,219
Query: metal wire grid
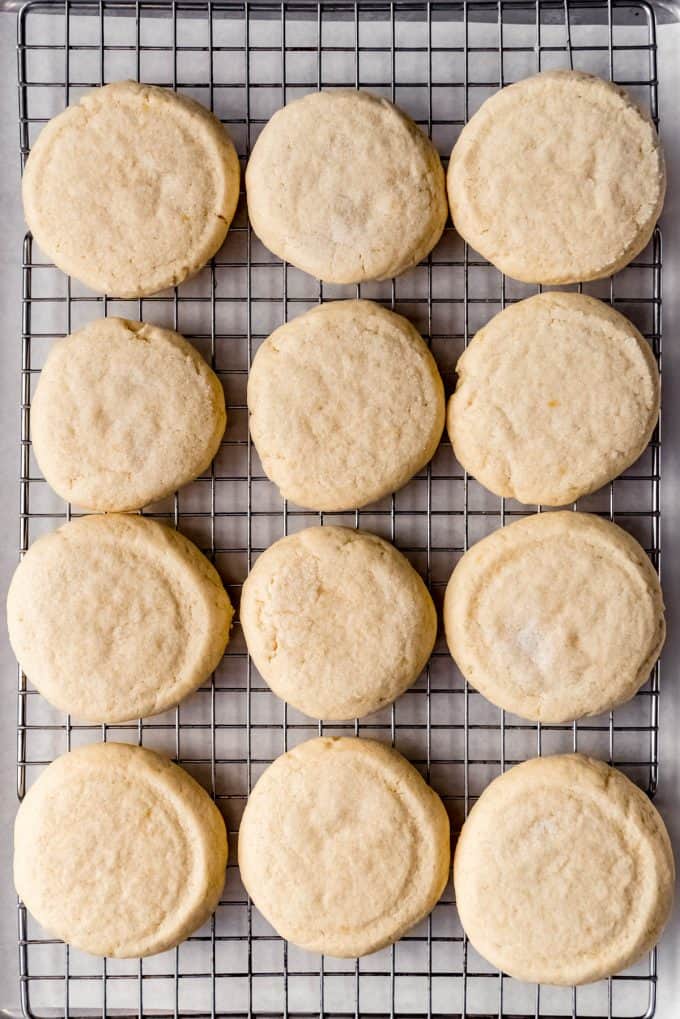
244,59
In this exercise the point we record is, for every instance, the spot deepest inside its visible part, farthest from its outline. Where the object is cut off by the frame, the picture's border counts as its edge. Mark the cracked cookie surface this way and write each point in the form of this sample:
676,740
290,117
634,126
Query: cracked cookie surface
343,846
132,190
563,871
555,617
557,178
346,404
556,395
337,621
118,851
346,187
124,414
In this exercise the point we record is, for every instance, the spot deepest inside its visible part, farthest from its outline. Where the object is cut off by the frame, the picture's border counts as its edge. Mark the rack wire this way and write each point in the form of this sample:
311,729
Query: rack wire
438,59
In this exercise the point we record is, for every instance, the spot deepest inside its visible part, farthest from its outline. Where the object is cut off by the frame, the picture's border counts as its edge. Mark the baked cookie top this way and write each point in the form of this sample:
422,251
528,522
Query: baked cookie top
337,621
346,404
345,186
343,847
131,190
563,871
555,617
116,617
557,178
124,414
556,395
118,851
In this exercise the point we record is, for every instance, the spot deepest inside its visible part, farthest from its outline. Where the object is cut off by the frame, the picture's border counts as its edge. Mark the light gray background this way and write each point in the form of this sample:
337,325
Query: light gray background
11,232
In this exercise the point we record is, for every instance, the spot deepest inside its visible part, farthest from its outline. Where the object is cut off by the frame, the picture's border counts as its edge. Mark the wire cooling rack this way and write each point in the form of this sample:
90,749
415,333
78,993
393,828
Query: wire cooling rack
439,61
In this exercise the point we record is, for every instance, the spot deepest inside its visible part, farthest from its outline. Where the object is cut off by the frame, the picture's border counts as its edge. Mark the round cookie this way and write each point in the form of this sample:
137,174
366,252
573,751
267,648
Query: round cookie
116,617
337,621
124,414
557,178
119,852
563,871
346,404
556,395
131,190
558,616
346,187
343,846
